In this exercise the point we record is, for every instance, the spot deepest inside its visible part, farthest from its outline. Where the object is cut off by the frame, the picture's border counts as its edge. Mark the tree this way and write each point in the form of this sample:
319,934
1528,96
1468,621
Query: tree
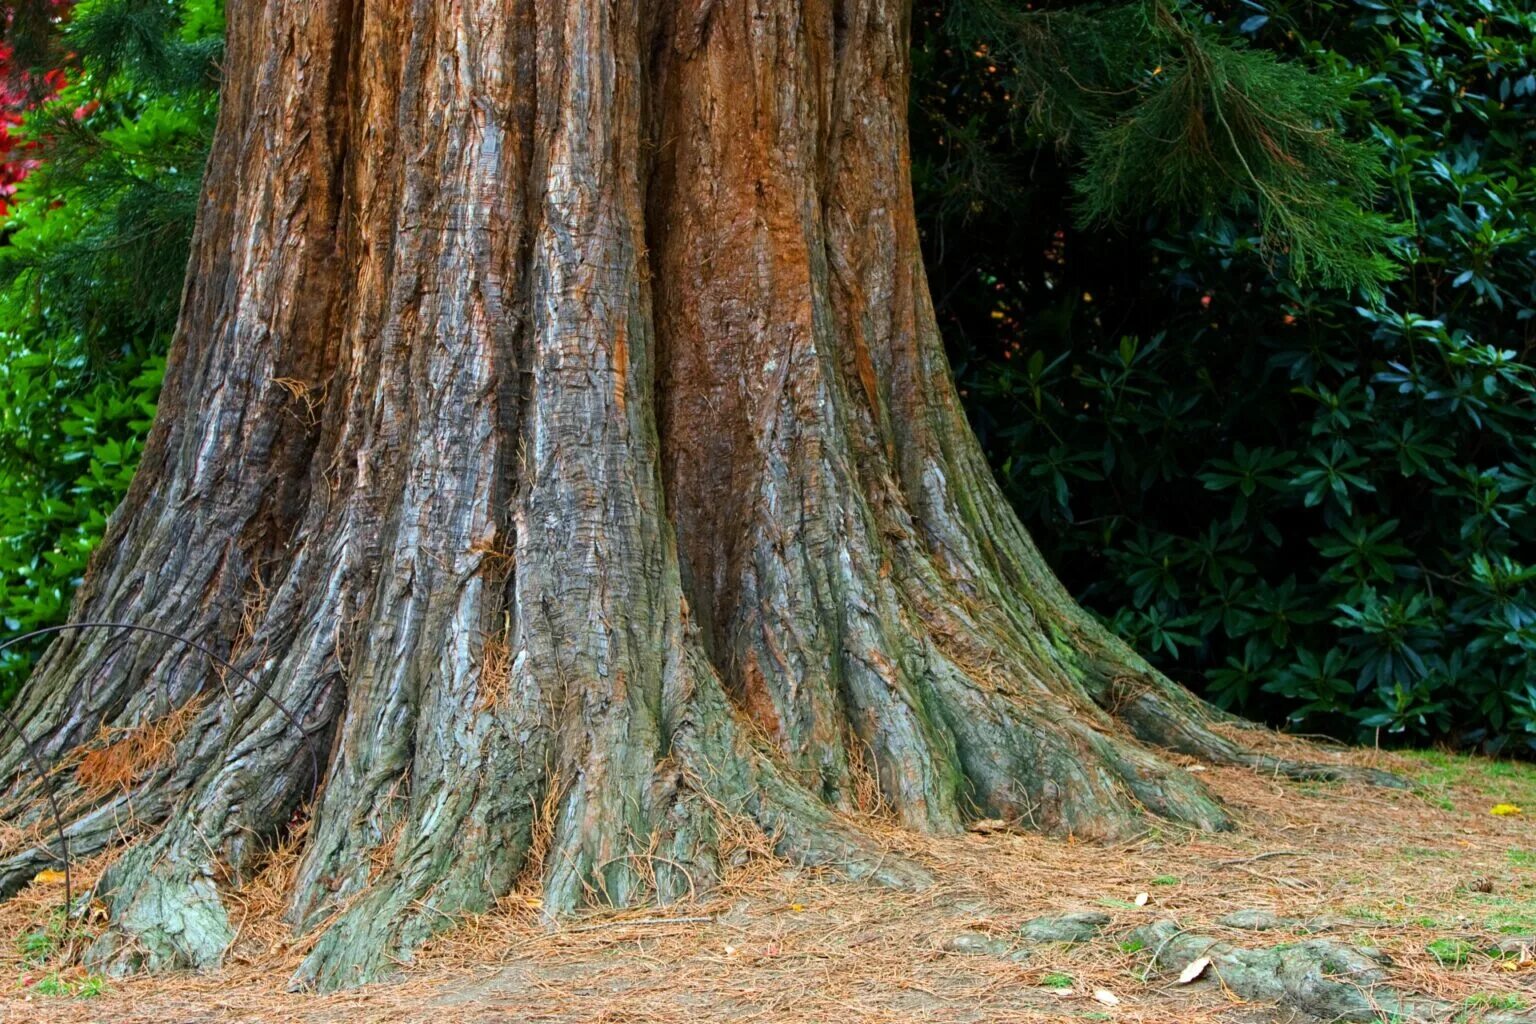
558,437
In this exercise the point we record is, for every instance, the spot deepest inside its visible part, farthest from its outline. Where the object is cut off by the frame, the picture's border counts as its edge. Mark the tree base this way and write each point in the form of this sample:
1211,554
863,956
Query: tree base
569,468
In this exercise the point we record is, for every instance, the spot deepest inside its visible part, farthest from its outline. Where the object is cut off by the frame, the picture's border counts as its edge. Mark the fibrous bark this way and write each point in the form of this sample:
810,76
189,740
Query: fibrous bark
557,418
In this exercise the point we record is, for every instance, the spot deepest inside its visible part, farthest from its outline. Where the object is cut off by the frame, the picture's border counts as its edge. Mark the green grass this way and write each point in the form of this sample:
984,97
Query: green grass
89,987
1496,781
1058,980
40,946
35,947
1132,946
1495,1001
1117,904
1365,913
1509,915
1451,952
1166,880
1523,858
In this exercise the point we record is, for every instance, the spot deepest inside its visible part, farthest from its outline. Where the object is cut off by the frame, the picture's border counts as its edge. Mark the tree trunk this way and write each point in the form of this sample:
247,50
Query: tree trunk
559,435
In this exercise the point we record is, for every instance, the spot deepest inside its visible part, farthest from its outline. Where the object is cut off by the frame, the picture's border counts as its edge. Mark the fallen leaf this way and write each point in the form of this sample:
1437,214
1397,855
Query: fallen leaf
1194,970
1106,997
1141,899
48,876
1505,810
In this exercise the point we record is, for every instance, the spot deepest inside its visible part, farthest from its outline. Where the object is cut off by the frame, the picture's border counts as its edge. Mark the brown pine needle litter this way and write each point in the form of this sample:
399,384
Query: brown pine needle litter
125,757
1431,877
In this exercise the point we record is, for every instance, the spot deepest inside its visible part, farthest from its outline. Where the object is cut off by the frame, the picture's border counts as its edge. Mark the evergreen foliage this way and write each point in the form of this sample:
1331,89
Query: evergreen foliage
1314,506
1170,114
90,278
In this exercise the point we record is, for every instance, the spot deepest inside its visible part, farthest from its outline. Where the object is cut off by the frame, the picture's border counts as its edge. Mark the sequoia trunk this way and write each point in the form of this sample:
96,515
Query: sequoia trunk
559,435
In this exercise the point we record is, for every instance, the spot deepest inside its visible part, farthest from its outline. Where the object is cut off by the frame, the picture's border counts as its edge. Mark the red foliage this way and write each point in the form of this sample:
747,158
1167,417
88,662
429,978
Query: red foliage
21,91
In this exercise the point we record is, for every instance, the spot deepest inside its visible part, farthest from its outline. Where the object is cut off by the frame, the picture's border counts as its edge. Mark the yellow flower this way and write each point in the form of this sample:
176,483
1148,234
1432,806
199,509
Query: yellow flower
1505,810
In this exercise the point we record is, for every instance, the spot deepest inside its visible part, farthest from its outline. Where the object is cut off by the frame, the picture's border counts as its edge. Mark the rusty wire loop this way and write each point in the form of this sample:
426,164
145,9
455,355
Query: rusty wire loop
36,758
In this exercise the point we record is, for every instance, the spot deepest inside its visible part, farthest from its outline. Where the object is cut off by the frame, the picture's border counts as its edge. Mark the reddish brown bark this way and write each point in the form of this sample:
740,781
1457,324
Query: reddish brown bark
558,418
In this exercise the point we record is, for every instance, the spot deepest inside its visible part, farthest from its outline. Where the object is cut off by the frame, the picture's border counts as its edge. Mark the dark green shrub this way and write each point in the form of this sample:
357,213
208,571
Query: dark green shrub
90,278
1312,506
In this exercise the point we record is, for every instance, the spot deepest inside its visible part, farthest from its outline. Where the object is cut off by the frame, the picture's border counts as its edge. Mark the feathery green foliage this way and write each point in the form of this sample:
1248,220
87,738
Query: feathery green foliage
90,279
1172,114
1315,510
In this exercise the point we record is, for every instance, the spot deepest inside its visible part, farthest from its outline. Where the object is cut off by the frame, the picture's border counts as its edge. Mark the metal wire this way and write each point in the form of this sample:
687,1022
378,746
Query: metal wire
37,761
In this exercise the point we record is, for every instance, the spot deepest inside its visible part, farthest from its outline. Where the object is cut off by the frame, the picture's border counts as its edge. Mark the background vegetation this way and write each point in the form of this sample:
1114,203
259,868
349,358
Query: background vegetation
90,277
1312,502
1240,295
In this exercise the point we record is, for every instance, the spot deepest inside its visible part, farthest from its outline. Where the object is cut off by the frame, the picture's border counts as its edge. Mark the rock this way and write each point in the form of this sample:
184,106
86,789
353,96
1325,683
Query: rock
1265,921
1080,926
975,944
1254,920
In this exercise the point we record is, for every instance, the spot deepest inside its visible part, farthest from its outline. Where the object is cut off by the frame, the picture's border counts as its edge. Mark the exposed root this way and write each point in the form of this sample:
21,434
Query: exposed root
1324,979
1171,723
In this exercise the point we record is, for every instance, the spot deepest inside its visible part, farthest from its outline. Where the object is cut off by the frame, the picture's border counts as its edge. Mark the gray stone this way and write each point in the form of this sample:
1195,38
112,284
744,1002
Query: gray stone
1080,926
975,944
1255,920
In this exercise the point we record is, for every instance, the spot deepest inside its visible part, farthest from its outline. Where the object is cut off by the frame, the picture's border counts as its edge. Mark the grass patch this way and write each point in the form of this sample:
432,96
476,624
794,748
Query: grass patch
1365,913
1451,952
1166,880
1437,773
1117,904
1058,980
55,985
37,947
1509,915
1495,1001
43,949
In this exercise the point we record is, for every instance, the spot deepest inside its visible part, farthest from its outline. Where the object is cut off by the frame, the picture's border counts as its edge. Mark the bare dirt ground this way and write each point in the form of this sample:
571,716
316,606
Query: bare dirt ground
1431,877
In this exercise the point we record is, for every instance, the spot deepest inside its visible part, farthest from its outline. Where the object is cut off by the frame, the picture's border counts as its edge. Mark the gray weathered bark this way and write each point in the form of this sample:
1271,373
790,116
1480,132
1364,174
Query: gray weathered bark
558,418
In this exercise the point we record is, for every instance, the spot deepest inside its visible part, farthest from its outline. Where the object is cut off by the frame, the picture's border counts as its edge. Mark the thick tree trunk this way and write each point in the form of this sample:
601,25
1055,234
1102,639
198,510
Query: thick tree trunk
558,421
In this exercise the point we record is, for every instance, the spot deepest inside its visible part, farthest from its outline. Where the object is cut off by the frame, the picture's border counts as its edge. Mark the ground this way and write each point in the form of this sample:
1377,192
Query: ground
1430,876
